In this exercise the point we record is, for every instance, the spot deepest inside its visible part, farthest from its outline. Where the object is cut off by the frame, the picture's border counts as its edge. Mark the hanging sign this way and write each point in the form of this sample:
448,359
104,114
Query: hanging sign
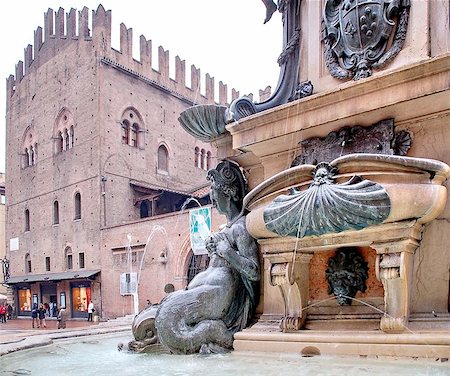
200,229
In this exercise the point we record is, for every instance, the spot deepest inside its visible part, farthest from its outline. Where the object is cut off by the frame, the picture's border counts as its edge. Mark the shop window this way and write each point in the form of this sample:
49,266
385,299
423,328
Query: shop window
27,263
77,200
24,297
81,296
55,212
81,260
27,220
128,283
47,264
163,158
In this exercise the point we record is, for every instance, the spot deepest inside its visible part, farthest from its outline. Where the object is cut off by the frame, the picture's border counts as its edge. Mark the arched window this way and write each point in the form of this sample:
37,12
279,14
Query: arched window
77,202
131,128
27,263
145,209
197,157
55,212
60,142
197,264
71,133
163,158
208,160
125,132
203,159
27,220
29,145
134,135
69,258
64,131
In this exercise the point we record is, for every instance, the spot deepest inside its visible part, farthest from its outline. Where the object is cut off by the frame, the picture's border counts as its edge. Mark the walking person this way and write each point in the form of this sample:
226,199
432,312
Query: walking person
62,318
34,315
91,310
3,313
41,316
9,311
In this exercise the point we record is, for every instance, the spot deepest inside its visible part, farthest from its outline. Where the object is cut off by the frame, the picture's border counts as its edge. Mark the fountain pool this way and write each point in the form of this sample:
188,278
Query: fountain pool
98,355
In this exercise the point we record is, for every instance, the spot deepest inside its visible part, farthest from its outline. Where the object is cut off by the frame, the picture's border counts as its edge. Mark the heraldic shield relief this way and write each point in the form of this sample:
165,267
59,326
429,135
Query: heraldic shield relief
360,35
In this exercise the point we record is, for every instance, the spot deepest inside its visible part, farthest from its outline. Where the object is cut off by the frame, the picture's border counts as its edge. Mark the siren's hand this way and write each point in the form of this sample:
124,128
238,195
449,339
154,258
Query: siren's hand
210,246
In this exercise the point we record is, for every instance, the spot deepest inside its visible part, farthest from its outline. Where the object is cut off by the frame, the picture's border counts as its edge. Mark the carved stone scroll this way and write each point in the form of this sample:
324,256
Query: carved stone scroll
293,281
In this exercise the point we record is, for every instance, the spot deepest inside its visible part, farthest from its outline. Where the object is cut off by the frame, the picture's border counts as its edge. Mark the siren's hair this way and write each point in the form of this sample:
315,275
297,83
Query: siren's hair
228,178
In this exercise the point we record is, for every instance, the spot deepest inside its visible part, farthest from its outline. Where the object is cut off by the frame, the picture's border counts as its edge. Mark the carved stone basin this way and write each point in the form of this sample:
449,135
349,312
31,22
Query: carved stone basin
350,193
368,200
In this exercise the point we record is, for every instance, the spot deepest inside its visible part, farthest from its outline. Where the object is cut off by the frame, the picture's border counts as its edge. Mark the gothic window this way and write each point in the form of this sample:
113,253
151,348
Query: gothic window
27,263
132,125
27,220
29,145
134,134
125,132
77,202
55,212
163,158
203,159
64,131
208,160
197,264
197,157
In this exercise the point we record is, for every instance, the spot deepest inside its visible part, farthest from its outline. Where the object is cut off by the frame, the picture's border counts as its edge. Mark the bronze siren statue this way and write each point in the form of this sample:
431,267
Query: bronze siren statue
221,300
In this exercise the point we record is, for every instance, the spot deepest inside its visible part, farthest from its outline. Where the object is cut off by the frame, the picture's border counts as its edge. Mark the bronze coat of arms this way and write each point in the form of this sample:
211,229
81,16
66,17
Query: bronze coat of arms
360,35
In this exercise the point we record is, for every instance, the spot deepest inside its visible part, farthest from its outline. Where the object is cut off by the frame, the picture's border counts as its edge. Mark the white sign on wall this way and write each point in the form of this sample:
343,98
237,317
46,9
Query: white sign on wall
14,244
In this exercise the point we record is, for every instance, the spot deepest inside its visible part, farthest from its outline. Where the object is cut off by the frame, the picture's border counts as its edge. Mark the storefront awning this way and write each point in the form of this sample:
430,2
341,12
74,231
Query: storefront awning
29,278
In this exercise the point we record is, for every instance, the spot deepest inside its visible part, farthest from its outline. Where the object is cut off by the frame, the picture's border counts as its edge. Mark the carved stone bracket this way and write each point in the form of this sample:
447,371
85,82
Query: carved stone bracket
293,280
394,268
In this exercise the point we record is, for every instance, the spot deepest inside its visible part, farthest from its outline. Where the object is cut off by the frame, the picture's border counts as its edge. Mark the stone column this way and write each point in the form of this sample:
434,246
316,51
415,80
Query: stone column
394,268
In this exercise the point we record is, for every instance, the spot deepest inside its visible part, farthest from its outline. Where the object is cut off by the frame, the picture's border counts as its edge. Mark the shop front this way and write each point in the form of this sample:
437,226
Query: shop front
72,290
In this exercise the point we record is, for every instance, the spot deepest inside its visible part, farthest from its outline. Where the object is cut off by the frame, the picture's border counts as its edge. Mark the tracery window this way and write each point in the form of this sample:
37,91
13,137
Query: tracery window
132,126
64,132
29,147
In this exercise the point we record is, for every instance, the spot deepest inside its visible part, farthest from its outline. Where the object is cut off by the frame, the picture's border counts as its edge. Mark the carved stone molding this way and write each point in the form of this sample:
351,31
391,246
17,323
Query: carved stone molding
360,35
380,138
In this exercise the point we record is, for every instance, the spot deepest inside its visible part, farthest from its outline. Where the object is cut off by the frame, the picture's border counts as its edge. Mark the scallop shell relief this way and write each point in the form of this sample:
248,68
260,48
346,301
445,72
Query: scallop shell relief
326,207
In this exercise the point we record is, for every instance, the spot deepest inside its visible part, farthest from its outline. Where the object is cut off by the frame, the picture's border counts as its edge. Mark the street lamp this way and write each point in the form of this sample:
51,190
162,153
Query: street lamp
5,269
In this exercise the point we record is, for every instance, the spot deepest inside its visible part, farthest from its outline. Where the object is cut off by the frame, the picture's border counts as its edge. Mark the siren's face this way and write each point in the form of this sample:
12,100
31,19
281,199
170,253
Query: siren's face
219,200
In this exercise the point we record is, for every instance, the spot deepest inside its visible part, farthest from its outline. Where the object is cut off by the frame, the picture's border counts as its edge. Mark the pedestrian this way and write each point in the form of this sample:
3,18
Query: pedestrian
41,316
47,309
62,317
3,312
9,311
91,310
34,315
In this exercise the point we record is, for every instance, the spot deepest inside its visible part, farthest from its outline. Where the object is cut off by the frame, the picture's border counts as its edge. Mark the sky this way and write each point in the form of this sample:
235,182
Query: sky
227,39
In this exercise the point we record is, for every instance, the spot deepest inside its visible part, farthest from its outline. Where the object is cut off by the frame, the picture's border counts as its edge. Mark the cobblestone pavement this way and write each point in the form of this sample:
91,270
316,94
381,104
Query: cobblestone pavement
18,334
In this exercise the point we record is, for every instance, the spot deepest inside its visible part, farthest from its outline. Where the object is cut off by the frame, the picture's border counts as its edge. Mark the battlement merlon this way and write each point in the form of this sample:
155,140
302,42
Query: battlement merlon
61,29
